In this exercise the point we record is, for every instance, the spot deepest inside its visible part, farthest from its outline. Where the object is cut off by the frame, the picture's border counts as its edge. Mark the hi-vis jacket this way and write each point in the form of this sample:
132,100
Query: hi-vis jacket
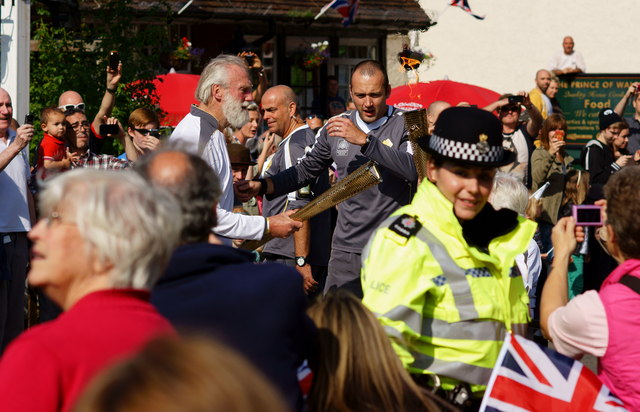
446,305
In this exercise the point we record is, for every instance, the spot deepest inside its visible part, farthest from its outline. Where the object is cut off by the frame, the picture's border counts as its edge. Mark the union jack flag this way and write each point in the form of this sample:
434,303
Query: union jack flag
464,5
529,377
348,9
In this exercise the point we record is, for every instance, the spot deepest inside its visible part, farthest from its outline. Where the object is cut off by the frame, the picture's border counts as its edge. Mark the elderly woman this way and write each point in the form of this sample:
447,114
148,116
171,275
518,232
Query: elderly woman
103,242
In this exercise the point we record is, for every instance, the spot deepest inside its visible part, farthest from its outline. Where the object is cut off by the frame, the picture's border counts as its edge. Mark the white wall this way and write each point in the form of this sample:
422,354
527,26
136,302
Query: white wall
518,37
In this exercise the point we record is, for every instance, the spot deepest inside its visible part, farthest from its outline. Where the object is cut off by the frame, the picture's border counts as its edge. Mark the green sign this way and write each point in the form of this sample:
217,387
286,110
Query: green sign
583,96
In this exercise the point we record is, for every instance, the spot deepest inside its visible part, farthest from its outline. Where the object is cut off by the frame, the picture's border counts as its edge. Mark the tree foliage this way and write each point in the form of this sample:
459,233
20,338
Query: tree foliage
76,59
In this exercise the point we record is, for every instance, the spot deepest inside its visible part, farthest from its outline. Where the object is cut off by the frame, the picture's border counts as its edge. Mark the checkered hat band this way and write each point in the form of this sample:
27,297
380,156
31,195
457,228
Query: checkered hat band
464,150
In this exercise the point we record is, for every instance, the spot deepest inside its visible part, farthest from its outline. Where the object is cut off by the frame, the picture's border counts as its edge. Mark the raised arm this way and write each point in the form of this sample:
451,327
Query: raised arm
109,98
622,104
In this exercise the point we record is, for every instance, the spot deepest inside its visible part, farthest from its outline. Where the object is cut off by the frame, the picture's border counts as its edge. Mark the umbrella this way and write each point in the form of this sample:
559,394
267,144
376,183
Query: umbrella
421,95
176,92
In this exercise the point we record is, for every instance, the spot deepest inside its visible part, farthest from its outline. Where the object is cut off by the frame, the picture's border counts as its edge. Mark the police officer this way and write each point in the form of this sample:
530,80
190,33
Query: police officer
440,272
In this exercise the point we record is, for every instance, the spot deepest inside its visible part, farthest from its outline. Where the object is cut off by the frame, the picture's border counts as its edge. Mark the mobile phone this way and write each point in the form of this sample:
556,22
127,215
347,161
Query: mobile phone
114,60
516,99
249,59
28,119
559,135
587,215
106,129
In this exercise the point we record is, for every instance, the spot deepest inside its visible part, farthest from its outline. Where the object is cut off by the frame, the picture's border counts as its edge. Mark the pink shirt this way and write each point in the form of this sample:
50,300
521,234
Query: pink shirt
580,327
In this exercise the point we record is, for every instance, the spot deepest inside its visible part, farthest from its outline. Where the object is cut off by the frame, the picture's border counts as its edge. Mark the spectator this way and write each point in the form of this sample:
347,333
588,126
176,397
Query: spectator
621,142
568,61
633,121
105,239
550,163
433,111
517,136
16,215
537,94
315,122
224,92
52,154
346,380
331,104
604,324
552,92
143,134
597,155
253,63
181,375
250,129
443,303
374,131
78,144
508,192
242,168
72,100
258,310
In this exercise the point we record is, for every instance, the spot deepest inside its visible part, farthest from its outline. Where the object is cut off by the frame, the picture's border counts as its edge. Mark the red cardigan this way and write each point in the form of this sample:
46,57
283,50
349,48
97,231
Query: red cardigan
47,367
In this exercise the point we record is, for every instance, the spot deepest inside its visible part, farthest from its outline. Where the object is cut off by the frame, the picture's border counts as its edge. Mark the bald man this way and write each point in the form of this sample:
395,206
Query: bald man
434,111
73,100
568,61
308,249
537,94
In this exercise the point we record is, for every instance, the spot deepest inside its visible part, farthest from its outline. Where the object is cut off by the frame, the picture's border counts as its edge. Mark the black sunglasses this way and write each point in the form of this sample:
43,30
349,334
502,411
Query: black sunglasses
313,116
144,132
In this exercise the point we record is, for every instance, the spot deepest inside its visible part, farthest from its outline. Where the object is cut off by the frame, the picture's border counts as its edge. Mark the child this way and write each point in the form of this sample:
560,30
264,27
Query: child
52,152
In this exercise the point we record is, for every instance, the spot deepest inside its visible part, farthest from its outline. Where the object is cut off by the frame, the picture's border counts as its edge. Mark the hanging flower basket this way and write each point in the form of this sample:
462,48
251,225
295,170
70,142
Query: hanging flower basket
311,57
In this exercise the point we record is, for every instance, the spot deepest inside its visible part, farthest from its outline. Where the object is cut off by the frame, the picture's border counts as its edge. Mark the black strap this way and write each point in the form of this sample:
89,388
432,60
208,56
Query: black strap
631,282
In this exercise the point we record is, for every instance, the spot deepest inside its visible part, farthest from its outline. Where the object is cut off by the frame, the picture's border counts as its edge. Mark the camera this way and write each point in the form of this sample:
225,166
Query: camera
587,215
114,60
516,99
106,129
28,119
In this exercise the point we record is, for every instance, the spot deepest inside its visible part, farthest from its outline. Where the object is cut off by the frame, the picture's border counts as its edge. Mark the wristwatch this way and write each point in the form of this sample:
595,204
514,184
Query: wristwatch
301,261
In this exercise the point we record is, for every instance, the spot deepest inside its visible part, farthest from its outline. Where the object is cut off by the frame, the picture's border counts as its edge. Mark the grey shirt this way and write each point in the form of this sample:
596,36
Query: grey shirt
359,216
290,152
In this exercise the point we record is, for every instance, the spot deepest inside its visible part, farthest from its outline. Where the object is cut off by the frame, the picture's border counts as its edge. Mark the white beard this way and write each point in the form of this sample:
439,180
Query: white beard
235,112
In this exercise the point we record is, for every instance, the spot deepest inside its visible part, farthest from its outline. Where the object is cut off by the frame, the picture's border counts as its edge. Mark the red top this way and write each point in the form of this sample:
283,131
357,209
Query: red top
47,367
51,149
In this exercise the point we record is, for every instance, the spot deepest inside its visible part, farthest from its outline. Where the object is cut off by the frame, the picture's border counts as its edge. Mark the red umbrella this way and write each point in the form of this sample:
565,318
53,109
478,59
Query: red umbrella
421,95
176,92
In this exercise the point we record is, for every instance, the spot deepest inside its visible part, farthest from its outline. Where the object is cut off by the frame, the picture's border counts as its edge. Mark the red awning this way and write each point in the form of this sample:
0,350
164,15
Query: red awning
421,95
176,92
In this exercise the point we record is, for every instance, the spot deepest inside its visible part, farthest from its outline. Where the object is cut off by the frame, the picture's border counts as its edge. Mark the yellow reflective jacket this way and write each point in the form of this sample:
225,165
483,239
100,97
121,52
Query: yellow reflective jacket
446,305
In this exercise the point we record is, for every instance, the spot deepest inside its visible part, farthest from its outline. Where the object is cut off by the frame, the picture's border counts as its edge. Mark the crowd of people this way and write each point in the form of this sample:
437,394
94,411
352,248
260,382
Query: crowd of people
150,296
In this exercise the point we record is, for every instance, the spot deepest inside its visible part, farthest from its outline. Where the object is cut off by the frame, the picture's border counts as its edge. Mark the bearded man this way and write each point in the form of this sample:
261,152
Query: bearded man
225,94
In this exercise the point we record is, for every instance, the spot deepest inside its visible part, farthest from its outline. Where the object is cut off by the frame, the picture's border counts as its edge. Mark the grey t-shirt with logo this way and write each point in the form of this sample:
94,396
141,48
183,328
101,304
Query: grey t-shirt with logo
359,216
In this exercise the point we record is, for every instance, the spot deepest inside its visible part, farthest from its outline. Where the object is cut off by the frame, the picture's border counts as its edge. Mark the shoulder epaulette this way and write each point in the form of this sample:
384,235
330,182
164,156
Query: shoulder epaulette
405,226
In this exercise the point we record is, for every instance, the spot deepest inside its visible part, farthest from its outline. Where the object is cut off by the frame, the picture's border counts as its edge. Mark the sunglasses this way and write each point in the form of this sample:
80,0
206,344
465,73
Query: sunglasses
79,106
144,132
313,116
510,109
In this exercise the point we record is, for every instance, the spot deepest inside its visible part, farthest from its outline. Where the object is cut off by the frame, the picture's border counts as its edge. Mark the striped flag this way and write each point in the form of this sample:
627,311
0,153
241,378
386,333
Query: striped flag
464,5
348,9
529,377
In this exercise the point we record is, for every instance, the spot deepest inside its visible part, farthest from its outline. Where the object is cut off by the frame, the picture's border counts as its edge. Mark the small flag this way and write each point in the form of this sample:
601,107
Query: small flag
348,9
529,377
464,5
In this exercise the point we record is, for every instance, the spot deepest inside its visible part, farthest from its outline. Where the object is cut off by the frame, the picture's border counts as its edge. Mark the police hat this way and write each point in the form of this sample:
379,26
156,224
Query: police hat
468,135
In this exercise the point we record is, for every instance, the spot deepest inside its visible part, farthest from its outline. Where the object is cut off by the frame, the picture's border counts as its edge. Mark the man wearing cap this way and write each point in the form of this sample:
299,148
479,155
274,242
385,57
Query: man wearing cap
440,273
374,131
308,249
597,155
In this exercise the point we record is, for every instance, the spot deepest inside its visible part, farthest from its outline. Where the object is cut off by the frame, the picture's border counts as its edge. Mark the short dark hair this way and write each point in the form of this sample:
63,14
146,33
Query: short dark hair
369,68
197,191
47,112
73,111
622,194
